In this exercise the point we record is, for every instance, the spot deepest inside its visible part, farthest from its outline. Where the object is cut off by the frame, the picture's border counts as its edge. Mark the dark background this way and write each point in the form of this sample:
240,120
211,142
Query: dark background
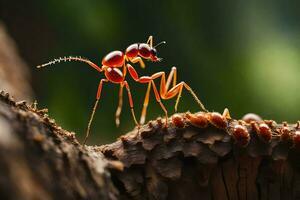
243,55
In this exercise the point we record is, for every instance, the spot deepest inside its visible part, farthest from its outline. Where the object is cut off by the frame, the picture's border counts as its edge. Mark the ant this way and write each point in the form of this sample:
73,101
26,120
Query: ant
117,59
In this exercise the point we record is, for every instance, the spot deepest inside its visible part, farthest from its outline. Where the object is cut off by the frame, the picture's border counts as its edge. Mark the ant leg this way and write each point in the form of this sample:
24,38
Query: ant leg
159,101
140,60
146,101
131,103
94,109
119,109
195,96
178,97
164,86
149,80
143,79
132,72
150,41
145,104
157,95
176,89
172,75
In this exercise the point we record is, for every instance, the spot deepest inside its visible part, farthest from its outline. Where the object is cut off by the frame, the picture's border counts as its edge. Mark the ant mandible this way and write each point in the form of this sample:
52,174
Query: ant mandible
110,66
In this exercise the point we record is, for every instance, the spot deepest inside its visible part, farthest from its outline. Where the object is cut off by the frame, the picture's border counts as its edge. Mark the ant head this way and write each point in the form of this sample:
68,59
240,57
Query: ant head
153,52
153,55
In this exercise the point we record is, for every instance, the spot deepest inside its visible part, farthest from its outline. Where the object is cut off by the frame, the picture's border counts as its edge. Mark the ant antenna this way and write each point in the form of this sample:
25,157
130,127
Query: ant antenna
162,42
71,58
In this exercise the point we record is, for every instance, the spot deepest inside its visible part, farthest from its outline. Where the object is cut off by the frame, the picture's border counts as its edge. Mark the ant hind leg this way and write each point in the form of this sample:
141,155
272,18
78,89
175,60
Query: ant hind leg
131,103
158,99
119,109
94,109
145,104
178,90
167,93
195,97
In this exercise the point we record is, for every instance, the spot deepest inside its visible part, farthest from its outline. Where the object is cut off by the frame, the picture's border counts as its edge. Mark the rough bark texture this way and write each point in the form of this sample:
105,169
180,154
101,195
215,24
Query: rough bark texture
39,160
188,162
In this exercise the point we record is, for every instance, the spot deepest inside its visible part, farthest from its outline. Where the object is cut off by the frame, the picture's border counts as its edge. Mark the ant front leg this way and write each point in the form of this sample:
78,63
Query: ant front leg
94,109
149,80
130,102
139,60
146,102
176,89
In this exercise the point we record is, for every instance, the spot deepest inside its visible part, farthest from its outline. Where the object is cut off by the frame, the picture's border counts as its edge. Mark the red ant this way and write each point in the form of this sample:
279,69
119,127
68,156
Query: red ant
116,59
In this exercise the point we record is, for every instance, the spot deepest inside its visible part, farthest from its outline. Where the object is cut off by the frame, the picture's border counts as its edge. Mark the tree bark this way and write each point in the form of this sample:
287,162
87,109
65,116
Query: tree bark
40,160
184,161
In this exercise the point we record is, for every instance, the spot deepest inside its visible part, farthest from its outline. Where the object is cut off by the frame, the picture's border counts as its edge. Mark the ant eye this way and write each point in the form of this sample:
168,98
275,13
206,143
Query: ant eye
153,52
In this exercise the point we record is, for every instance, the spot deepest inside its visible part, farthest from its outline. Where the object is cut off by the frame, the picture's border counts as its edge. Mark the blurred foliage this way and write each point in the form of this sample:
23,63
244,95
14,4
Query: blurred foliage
243,55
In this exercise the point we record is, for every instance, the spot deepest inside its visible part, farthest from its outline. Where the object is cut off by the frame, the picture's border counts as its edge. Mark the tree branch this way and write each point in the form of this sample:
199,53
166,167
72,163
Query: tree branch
185,161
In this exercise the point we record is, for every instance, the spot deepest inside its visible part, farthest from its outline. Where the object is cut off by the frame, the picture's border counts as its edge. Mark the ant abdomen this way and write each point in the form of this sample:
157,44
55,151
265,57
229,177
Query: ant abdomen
114,59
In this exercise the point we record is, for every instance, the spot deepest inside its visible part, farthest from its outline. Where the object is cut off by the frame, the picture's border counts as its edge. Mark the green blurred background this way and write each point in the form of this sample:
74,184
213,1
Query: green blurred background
243,55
